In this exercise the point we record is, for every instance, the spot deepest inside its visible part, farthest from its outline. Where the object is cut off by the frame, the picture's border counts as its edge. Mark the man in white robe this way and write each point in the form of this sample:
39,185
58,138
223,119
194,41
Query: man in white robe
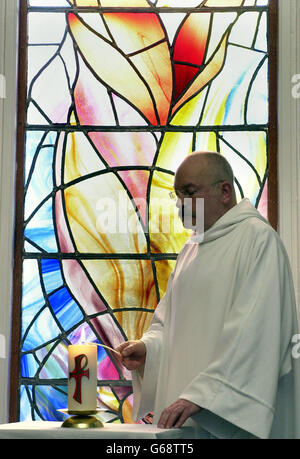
218,352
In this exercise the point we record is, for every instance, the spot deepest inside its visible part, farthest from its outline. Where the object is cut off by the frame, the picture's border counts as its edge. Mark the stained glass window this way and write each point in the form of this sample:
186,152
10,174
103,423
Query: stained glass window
118,93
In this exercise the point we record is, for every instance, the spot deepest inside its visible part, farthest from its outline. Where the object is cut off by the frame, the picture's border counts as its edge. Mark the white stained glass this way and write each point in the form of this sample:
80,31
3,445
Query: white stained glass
179,3
46,28
38,56
49,3
249,3
243,172
95,22
261,39
262,2
252,145
68,55
172,22
243,31
221,21
34,116
226,100
257,111
30,248
51,92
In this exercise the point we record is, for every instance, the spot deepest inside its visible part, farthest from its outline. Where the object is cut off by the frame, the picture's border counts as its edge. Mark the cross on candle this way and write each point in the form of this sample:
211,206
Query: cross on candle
78,373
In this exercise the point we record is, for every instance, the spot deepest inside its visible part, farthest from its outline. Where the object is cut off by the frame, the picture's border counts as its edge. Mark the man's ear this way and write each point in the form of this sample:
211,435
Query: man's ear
227,191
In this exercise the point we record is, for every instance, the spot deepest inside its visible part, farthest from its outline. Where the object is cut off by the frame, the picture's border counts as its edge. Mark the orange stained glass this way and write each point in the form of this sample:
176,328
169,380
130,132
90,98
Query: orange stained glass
155,66
133,32
118,71
134,323
127,412
124,283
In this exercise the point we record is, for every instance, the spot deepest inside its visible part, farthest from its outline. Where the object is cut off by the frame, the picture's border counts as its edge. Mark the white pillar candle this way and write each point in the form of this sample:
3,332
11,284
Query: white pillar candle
82,381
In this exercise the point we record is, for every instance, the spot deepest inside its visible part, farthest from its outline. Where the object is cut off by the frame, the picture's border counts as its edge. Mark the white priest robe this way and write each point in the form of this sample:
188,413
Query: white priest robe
221,336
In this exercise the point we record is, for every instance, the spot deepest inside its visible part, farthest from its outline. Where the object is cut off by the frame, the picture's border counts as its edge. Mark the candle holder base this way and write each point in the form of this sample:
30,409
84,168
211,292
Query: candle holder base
82,419
82,422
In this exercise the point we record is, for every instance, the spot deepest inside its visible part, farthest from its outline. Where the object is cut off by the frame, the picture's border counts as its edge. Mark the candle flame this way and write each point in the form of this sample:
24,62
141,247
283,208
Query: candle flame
82,336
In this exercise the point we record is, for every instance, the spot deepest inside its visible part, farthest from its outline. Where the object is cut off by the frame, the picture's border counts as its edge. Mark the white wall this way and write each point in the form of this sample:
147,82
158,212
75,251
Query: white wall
289,134
289,159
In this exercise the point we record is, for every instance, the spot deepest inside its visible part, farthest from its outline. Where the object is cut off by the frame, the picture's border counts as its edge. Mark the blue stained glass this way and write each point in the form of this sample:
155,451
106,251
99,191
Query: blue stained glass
42,330
65,308
29,366
59,399
33,139
51,274
33,298
40,228
25,404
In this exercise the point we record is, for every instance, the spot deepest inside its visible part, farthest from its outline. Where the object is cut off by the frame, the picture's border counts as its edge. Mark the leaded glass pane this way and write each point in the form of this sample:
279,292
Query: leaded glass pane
119,92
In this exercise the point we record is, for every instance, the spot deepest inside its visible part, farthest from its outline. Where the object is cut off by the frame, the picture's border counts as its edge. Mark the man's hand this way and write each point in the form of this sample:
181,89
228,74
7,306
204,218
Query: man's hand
133,354
177,413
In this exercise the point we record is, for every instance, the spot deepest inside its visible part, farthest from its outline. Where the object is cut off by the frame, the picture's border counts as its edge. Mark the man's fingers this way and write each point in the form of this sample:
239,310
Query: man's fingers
130,349
168,418
122,346
176,414
184,415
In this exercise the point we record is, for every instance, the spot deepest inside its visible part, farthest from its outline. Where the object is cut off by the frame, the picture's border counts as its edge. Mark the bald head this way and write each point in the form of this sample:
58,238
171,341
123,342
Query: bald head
207,175
209,164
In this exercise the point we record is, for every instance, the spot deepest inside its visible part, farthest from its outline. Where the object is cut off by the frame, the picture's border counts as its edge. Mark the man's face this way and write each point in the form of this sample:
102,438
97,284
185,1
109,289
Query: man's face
190,187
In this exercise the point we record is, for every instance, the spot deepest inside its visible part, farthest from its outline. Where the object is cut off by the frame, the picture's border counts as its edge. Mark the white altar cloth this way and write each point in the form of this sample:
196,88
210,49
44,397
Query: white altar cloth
53,430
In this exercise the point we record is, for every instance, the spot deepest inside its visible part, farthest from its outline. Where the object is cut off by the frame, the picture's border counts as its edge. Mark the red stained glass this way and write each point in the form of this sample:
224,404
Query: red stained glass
192,37
183,75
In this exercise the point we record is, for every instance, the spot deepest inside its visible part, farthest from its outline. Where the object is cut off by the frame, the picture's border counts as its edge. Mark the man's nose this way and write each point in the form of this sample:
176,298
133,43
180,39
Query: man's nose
179,202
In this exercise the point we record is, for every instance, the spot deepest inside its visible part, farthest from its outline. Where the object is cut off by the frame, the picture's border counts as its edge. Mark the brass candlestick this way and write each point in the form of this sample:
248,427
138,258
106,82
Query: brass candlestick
82,419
